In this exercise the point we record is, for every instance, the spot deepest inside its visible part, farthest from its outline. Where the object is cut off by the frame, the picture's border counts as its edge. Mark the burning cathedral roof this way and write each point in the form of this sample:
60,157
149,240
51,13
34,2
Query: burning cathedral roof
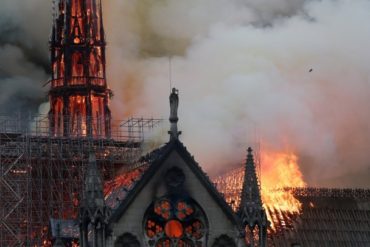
115,192
326,217
336,217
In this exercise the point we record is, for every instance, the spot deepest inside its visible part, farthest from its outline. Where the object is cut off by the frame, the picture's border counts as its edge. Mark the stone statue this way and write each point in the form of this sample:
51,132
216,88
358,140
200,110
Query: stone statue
174,104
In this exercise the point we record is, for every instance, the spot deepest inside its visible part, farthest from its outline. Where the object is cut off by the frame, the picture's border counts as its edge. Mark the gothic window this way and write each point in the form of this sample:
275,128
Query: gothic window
96,65
172,221
127,240
77,65
224,241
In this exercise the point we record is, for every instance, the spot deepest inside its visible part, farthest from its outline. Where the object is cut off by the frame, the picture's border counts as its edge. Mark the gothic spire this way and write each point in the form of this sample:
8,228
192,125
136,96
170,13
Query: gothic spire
251,212
93,193
251,192
79,95
94,213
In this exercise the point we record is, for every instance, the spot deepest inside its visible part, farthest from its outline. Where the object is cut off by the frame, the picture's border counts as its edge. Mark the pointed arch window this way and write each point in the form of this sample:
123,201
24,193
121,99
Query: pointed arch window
77,66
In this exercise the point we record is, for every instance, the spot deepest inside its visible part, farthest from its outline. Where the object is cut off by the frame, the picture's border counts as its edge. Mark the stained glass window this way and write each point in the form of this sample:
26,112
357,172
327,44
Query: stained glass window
172,221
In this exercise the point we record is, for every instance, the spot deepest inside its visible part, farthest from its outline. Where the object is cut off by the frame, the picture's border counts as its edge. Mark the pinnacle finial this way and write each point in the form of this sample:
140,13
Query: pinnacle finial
251,211
250,155
94,213
93,184
250,193
174,105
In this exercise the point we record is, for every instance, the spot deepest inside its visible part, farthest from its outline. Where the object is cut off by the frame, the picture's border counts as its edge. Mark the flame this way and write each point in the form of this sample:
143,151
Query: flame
79,114
126,179
280,170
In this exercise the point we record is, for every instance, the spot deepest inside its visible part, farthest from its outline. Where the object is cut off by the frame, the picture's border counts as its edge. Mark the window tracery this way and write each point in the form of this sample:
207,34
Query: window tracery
172,221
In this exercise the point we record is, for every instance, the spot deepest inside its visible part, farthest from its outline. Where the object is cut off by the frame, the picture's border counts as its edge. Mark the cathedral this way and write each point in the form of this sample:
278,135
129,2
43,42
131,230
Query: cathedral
169,201
174,203
74,177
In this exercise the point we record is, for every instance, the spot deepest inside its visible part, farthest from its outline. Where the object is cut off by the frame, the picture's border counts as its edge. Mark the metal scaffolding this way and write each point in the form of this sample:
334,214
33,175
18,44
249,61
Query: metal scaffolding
41,174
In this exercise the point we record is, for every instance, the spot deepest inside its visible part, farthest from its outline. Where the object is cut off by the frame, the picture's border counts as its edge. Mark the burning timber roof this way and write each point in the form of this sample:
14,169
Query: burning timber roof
115,192
156,162
329,217
124,187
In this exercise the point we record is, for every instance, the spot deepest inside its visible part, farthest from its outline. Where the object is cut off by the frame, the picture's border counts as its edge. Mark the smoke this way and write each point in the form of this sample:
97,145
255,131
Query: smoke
242,68
24,29
292,75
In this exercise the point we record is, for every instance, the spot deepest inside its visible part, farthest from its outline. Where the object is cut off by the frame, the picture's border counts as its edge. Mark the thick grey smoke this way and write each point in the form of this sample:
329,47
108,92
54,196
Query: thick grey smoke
243,70
293,73
24,32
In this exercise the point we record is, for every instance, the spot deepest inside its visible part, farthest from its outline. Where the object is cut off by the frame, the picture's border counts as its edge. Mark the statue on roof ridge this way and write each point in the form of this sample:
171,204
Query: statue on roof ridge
174,105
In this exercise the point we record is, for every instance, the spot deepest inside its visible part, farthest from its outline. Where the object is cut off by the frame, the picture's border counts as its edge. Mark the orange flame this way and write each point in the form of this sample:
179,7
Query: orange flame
126,179
280,170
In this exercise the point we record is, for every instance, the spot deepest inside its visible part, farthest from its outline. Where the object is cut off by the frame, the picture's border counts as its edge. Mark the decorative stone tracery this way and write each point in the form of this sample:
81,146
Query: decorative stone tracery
173,221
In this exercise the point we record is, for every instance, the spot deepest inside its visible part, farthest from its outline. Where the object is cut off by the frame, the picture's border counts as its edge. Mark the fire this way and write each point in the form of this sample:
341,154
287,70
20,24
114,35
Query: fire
126,179
79,94
280,170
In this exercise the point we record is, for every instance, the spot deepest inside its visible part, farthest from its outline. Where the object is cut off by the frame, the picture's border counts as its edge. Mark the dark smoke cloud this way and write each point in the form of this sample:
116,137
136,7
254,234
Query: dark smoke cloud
24,63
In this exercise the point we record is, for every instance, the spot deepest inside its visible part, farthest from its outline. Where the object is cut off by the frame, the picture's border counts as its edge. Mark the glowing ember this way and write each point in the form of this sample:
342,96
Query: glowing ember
126,179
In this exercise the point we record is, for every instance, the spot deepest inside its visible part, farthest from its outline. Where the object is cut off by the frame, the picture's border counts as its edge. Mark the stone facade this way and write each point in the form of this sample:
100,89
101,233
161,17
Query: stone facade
173,204
219,221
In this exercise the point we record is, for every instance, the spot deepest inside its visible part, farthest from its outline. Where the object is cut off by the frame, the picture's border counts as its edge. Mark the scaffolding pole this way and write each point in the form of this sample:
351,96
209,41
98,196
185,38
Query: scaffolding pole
41,175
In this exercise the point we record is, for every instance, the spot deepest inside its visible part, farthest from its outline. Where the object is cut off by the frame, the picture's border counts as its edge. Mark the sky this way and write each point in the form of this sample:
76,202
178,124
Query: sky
291,75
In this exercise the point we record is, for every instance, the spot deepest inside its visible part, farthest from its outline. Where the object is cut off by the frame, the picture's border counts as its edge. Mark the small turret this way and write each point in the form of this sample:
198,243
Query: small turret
251,211
94,213
93,192
251,197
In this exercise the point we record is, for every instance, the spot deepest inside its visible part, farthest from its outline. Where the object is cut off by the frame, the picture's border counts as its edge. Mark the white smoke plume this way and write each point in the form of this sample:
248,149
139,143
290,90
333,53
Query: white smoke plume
295,72
242,67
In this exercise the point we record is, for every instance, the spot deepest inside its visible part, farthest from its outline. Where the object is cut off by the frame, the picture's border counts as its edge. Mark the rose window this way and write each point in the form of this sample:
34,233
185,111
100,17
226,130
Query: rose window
170,223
